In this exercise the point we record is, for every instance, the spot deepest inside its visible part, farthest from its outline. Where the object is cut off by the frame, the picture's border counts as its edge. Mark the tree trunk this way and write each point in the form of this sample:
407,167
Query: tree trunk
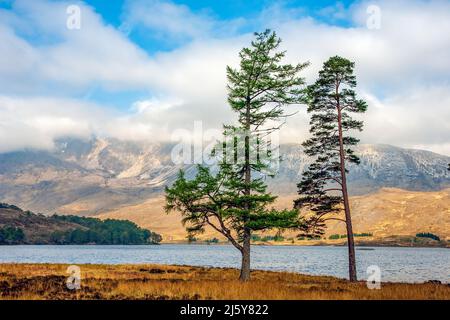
348,218
350,239
245,266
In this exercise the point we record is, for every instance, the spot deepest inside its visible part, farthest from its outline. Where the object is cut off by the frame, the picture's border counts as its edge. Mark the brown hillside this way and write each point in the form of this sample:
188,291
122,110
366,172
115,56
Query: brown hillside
384,213
151,213
36,228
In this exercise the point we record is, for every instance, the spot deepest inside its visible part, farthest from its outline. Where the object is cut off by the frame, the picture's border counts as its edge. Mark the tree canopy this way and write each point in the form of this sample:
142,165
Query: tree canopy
109,231
234,200
323,188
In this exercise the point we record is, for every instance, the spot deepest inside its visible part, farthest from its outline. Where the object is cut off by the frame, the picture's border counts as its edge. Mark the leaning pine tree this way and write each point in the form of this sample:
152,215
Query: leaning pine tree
323,189
234,200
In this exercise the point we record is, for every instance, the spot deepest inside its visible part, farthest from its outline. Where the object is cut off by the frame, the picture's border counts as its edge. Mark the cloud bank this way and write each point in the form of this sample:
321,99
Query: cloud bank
48,71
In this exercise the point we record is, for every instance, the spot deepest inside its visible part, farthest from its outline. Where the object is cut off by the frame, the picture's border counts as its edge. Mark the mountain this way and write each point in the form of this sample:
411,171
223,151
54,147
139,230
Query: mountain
85,176
381,166
99,175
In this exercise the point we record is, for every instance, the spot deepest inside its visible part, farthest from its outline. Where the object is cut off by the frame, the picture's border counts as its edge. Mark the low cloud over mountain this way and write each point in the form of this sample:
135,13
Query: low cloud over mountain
94,176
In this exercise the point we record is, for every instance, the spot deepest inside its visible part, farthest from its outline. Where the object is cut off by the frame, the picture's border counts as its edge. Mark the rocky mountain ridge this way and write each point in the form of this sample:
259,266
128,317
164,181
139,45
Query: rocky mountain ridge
97,175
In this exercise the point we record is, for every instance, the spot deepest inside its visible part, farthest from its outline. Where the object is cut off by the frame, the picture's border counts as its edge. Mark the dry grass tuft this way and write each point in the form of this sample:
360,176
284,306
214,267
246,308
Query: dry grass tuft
47,281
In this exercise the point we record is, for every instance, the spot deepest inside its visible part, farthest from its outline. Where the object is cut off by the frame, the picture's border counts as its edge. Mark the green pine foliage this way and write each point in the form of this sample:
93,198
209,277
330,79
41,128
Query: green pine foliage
234,201
9,206
320,189
11,235
109,231
343,236
428,235
213,200
323,189
212,241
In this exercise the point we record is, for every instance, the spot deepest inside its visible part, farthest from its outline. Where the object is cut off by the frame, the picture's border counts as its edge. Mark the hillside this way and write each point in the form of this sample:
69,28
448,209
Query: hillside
100,175
395,191
399,212
24,227
384,213
36,228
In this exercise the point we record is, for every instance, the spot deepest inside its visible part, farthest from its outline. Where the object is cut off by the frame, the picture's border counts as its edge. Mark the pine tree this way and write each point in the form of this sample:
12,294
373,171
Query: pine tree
234,201
323,188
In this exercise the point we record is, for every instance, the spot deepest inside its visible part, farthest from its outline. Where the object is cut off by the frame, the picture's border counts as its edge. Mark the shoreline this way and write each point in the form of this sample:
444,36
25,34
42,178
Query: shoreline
362,246
320,244
313,243
45,281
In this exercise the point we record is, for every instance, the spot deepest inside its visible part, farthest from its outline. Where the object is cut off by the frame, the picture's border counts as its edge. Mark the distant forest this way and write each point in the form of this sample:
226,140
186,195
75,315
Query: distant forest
108,231
70,230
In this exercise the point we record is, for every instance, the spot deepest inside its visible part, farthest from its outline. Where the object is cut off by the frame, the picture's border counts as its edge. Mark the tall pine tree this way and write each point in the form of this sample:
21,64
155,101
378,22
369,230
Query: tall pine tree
234,201
323,189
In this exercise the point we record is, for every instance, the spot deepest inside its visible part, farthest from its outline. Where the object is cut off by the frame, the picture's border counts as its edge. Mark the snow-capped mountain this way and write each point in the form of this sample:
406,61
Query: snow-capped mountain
381,166
90,177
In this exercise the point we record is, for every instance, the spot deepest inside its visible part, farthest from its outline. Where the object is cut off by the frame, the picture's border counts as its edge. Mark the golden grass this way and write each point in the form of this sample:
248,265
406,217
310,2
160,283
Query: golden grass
47,281
384,213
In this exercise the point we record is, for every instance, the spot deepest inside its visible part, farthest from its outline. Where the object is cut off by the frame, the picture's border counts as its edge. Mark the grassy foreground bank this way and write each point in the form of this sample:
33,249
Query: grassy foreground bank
48,281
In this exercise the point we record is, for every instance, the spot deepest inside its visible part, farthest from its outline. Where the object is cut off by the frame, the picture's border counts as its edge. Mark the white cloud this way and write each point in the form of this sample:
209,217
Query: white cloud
37,122
167,18
335,12
73,59
403,70
420,119
172,22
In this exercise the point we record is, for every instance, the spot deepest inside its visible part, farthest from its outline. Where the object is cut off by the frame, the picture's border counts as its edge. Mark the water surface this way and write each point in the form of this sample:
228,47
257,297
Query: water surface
396,264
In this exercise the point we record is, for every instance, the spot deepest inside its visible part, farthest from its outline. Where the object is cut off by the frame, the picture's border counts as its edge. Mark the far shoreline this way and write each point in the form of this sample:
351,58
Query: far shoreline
362,246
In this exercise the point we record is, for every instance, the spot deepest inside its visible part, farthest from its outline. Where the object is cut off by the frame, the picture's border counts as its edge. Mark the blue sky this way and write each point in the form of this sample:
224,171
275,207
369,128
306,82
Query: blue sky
112,12
115,13
140,69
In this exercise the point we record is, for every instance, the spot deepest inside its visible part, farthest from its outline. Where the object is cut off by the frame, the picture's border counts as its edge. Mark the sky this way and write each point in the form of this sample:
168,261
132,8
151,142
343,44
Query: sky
141,70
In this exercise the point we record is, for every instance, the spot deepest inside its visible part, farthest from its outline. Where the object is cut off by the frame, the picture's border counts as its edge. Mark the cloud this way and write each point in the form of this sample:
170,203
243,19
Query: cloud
168,21
418,120
36,122
402,69
71,60
335,12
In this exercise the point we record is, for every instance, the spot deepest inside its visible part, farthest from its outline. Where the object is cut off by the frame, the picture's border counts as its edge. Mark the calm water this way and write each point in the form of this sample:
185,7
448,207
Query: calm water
396,264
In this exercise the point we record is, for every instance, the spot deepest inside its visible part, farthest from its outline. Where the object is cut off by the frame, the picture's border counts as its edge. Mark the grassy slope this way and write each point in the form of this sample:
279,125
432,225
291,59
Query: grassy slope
36,227
385,213
47,281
